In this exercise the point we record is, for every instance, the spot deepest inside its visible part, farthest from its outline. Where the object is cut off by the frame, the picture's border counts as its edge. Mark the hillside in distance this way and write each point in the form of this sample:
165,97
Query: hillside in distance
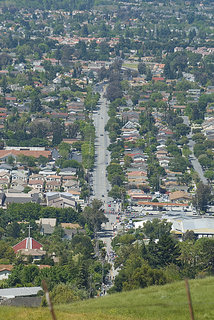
78,4
153,303
49,4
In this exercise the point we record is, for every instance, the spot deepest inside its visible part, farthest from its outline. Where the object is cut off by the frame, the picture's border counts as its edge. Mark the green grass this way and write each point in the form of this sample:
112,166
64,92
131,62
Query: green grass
168,302
130,65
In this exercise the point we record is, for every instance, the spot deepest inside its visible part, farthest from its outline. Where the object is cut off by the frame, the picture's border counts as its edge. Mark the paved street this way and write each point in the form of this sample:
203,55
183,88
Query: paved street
101,185
102,155
195,163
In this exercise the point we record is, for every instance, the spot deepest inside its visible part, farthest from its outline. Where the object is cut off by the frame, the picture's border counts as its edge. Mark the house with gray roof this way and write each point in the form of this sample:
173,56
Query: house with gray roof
21,198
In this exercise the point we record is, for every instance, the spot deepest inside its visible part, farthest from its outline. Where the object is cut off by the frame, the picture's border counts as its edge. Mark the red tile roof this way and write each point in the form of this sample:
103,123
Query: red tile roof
27,243
10,98
162,204
36,154
8,267
158,78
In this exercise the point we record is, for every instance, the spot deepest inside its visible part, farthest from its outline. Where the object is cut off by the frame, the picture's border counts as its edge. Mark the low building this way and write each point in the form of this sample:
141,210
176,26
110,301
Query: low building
51,186
5,271
71,229
202,227
180,196
19,292
61,200
21,198
36,185
4,154
47,225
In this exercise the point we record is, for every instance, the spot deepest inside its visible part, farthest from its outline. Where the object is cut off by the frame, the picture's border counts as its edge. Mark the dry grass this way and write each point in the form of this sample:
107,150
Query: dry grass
131,65
154,303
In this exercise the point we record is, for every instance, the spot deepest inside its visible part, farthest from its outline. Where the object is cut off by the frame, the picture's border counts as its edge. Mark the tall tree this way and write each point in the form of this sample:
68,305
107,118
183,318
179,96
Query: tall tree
58,130
142,68
156,228
168,250
202,197
94,215
35,104
4,85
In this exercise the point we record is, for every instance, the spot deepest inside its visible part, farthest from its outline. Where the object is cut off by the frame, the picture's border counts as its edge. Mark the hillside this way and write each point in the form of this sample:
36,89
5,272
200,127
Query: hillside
154,303
49,4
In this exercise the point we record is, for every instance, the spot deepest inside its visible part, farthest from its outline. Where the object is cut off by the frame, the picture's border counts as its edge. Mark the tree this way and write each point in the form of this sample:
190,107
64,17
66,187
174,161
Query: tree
84,30
142,68
168,250
58,130
10,160
117,192
137,273
115,174
82,244
202,197
94,215
27,189
63,293
38,129
187,257
6,251
64,149
13,230
179,164
42,160
35,104
156,228
189,235
127,161
114,91
148,74
205,254
182,129
28,274
72,130
209,174
4,85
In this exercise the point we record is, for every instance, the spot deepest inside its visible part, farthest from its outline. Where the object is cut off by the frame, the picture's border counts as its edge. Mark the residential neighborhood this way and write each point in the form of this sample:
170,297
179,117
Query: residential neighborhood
106,145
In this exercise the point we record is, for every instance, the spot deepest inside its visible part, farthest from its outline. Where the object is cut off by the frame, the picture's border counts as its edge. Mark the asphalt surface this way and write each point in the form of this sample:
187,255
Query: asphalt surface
195,163
100,182
101,185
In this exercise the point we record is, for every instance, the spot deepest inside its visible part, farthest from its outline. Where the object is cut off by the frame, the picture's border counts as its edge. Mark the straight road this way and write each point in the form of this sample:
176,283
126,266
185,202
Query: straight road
195,163
101,185
102,155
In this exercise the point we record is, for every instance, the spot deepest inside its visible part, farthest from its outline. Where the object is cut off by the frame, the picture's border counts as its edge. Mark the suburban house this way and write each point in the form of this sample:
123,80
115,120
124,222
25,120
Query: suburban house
47,225
180,196
36,185
21,198
53,177
5,271
70,185
51,186
71,229
5,179
19,175
60,200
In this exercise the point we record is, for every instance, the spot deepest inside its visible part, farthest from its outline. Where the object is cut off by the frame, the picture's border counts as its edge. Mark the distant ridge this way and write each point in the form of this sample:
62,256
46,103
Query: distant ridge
70,5
49,4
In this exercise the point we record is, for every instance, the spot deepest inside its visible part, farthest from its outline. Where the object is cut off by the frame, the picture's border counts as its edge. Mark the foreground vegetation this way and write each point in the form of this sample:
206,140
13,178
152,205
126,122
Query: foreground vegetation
153,303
